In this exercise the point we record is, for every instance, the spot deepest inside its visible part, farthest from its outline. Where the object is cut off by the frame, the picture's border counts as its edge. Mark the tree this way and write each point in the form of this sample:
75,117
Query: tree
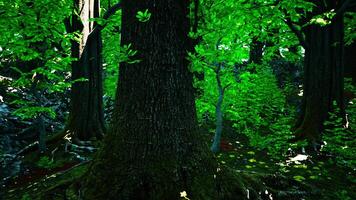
217,68
153,150
86,116
215,147
323,40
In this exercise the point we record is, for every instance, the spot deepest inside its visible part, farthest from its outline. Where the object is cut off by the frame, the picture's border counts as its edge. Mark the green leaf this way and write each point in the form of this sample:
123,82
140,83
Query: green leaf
299,178
143,16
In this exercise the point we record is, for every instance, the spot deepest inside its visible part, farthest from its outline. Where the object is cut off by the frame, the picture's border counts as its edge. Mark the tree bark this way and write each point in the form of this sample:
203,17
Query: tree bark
215,147
153,150
323,73
86,118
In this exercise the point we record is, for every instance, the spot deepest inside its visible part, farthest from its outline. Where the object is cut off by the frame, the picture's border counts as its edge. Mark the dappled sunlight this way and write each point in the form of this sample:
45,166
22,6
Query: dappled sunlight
177,99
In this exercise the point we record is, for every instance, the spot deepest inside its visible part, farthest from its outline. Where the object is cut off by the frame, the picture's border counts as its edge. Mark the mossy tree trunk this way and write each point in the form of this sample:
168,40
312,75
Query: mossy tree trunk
86,118
323,72
153,150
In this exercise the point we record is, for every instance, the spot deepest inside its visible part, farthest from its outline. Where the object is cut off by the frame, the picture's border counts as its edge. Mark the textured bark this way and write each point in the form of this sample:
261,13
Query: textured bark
152,150
86,118
323,73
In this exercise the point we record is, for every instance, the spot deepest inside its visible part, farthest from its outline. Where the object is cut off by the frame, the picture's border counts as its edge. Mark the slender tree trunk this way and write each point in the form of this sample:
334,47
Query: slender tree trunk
38,122
219,115
41,133
323,74
153,150
86,118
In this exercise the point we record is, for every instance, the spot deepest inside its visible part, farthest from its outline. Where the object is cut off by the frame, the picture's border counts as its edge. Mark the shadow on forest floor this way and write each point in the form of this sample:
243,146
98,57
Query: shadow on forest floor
300,176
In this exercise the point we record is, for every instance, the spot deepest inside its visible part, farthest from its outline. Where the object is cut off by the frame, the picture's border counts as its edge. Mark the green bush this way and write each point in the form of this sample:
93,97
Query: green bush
340,140
260,112
256,106
46,162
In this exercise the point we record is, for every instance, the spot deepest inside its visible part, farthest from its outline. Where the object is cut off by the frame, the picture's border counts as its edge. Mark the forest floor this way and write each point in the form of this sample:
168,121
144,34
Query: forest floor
321,176
304,176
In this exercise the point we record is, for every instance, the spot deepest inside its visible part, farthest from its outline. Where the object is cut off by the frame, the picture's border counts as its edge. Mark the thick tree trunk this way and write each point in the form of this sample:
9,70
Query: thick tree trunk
323,74
153,150
86,118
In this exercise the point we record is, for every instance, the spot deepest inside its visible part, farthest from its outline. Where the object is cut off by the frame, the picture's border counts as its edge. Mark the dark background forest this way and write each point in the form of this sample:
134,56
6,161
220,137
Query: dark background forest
177,99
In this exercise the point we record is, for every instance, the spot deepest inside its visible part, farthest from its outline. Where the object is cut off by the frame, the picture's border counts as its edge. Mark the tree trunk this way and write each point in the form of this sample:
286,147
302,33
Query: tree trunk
153,150
86,118
41,133
256,51
215,147
323,74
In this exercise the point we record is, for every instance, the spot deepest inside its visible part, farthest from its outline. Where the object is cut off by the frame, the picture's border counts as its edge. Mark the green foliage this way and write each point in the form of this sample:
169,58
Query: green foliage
46,162
30,112
342,195
254,104
26,196
253,101
350,27
323,19
37,50
299,178
260,113
340,139
143,16
111,53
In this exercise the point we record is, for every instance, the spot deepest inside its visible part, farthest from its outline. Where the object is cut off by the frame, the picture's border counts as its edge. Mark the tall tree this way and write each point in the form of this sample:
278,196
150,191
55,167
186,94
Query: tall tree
152,150
323,40
86,118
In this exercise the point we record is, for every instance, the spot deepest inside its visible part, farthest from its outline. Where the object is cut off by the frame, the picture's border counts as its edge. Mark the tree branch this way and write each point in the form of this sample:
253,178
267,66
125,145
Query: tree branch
343,8
293,27
297,32
112,10
226,86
